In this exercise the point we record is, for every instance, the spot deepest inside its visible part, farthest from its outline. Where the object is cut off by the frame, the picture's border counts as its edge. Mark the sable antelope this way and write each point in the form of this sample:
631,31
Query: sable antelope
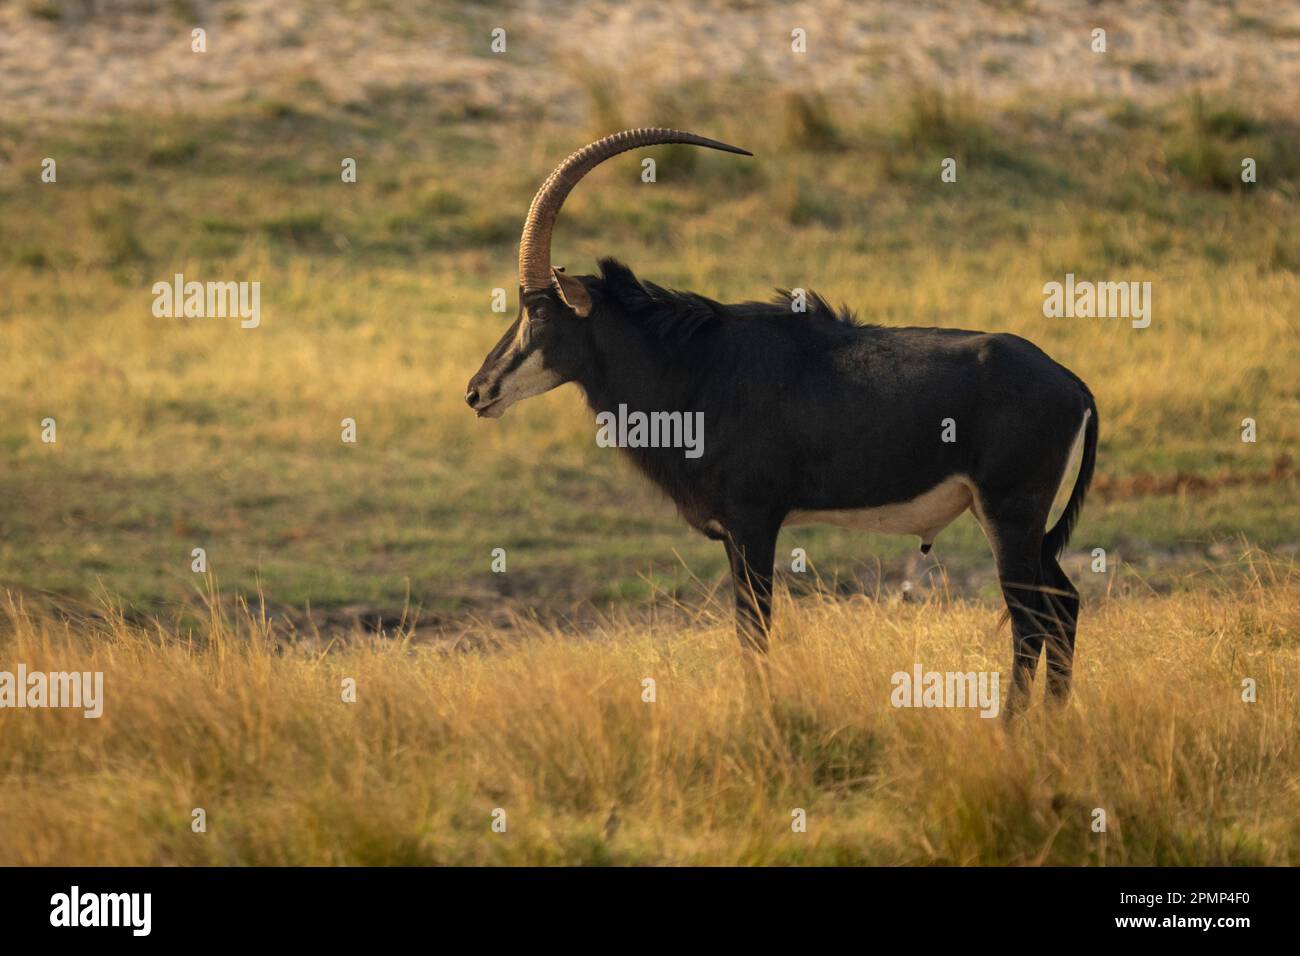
813,417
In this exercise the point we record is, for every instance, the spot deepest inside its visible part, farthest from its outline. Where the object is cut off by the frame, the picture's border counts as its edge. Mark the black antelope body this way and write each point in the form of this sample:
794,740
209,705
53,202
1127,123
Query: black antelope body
813,417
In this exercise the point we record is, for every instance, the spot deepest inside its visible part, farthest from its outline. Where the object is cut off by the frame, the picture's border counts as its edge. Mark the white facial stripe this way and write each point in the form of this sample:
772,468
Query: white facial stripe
530,378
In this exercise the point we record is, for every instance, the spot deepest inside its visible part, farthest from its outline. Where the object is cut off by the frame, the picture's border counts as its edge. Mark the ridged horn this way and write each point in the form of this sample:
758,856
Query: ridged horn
535,243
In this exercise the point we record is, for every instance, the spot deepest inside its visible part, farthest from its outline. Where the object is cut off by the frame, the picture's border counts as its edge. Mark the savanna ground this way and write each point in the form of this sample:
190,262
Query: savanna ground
523,690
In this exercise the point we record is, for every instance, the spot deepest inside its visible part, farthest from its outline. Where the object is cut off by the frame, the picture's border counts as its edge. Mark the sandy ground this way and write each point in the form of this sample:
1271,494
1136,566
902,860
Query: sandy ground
61,58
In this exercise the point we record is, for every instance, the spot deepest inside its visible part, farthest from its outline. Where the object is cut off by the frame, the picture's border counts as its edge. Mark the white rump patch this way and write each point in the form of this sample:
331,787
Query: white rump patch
1070,474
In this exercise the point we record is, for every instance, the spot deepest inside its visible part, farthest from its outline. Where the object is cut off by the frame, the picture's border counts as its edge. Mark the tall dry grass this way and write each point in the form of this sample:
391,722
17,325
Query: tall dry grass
245,720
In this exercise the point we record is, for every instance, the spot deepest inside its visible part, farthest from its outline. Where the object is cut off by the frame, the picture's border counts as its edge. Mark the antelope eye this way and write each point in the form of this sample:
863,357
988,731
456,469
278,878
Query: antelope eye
539,313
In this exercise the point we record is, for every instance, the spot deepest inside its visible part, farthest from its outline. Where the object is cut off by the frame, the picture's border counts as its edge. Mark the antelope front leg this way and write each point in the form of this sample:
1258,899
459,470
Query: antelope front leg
751,550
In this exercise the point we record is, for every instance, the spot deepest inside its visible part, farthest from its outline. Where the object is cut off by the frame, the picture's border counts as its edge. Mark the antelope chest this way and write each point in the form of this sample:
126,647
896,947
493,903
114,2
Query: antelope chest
925,515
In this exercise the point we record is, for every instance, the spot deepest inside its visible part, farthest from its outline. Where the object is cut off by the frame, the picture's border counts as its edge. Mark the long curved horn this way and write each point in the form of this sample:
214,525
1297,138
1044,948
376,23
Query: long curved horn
535,244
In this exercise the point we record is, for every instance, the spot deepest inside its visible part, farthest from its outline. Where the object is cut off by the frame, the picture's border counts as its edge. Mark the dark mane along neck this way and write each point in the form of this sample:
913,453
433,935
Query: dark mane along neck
679,318
653,352
658,350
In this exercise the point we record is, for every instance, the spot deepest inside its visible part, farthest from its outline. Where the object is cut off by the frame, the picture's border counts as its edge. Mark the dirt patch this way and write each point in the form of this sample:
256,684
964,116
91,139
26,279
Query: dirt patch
83,57
1145,484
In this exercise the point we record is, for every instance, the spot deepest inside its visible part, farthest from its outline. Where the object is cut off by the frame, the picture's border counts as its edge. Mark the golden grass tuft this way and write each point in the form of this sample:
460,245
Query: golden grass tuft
238,718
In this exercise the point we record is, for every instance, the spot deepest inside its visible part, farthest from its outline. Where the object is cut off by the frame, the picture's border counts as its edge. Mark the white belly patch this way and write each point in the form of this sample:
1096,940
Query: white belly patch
925,515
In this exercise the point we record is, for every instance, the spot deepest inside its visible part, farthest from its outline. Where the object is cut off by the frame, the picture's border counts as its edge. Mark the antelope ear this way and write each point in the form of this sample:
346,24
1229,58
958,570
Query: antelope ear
572,292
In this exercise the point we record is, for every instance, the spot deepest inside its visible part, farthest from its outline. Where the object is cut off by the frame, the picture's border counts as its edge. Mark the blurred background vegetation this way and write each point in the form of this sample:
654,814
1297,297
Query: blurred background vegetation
376,296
